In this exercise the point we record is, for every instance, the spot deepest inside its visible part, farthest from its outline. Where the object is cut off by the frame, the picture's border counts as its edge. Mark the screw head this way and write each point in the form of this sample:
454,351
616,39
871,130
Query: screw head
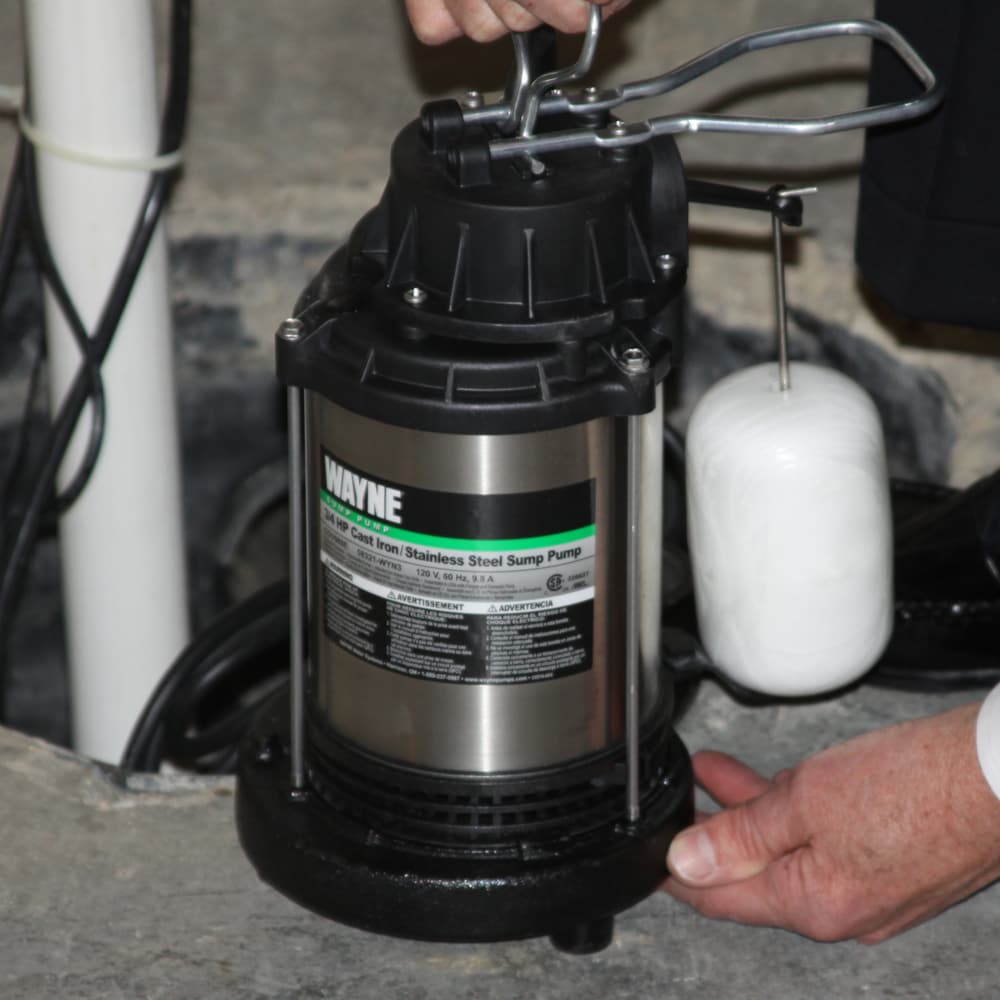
473,99
665,262
414,296
633,360
266,750
556,92
290,329
590,94
619,128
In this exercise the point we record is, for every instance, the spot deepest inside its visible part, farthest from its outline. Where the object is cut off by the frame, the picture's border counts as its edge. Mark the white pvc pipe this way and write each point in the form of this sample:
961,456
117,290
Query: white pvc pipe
92,87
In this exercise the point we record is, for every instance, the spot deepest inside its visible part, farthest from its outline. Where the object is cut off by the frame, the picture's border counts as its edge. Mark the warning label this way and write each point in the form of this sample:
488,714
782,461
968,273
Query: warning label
458,587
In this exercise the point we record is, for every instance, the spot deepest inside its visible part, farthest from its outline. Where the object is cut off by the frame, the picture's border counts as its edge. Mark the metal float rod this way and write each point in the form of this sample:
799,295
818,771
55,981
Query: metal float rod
784,378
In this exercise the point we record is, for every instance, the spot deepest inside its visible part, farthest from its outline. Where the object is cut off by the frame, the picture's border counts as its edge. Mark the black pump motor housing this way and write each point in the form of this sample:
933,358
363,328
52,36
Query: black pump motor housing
486,724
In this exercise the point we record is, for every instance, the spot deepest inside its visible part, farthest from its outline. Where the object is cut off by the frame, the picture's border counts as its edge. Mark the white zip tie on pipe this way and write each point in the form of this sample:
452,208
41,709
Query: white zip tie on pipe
12,102
147,164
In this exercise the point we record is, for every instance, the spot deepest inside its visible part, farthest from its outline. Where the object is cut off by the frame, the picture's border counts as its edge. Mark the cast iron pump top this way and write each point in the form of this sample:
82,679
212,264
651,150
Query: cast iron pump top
542,218
478,742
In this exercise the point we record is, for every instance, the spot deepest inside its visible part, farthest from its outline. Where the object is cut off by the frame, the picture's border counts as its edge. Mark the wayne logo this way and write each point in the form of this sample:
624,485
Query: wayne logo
364,495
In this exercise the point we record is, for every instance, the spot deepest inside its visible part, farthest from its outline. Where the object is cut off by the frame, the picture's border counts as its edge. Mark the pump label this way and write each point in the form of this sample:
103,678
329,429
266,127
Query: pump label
465,588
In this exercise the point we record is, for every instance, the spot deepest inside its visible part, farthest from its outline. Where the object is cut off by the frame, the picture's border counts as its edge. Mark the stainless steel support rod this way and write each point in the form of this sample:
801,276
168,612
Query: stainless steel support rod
632,681
310,491
784,380
297,583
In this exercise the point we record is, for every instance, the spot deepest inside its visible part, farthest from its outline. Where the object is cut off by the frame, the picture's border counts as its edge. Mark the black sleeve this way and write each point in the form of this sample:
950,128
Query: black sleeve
928,238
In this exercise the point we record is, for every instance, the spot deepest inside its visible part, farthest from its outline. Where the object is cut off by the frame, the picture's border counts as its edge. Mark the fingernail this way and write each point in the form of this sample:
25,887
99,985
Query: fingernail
692,857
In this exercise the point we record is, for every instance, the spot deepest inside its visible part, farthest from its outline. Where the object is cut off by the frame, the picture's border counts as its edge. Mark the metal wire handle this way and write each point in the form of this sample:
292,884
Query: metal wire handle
619,135
527,97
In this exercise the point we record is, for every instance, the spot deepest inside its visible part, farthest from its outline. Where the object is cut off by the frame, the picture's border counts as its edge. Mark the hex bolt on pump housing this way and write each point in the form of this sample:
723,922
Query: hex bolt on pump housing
478,743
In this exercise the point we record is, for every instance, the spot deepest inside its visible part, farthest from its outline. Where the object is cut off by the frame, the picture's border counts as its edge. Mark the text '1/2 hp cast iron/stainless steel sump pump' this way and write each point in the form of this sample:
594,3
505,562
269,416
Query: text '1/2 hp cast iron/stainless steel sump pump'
477,743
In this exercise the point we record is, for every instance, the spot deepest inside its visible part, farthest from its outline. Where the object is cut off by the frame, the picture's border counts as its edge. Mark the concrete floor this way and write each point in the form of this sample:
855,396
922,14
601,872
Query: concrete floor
141,890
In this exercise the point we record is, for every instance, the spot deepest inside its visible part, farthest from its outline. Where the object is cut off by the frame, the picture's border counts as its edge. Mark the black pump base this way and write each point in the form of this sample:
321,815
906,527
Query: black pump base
322,858
585,939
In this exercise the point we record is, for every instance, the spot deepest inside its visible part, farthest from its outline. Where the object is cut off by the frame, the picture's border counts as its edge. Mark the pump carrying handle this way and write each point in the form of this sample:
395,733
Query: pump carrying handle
531,104
527,96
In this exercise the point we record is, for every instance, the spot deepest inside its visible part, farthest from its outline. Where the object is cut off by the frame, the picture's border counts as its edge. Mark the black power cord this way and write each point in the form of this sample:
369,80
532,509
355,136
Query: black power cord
11,220
17,554
11,223
241,656
50,273
22,207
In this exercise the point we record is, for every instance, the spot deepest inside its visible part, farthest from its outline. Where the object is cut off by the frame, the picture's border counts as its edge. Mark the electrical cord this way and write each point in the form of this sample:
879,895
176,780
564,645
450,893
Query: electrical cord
18,554
11,222
50,273
20,445
29,210
208,716
236,638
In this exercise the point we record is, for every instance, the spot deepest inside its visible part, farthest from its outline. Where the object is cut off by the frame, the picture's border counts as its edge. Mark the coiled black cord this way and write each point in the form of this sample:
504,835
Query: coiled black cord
241,654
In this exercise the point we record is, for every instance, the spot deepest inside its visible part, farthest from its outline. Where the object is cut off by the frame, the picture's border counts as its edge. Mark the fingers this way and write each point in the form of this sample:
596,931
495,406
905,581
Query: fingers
482,21
749,902
515,15
741,841
779,896
569,17
432,23
693,856
437,21
860,841
726,779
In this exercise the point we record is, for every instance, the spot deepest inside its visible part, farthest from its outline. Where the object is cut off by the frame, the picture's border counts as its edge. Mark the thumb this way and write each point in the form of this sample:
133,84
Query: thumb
736,843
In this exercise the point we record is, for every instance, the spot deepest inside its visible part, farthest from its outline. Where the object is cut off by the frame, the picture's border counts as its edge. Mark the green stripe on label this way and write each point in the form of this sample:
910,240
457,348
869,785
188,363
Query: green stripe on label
441,542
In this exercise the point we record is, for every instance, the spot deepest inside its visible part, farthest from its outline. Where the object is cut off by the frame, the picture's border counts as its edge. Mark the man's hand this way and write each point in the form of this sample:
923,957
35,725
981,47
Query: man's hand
861,841
437,21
